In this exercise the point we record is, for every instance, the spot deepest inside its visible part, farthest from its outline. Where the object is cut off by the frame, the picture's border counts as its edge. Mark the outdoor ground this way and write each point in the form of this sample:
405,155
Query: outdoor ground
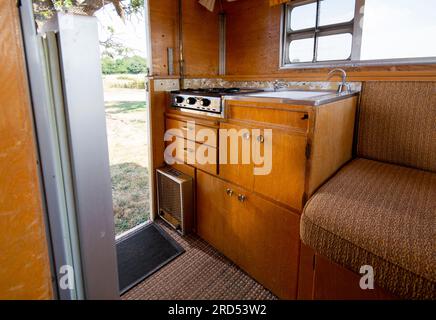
126,120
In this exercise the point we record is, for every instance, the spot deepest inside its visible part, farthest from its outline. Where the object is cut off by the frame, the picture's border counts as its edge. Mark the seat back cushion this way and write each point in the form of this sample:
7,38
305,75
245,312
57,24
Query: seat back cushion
397,123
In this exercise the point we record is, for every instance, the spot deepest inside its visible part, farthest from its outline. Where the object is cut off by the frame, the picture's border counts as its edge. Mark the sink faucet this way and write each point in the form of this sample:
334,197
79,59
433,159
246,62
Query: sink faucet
277,84
343,86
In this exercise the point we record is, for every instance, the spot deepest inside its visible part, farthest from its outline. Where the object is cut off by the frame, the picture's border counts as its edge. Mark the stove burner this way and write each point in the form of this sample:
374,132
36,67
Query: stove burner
206,101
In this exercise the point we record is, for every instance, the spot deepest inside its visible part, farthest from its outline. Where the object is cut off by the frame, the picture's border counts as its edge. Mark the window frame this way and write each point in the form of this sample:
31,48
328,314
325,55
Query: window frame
339,28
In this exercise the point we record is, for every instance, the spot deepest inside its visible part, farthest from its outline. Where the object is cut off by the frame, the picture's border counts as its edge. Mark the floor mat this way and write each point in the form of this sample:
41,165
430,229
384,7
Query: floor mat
144,252
200,273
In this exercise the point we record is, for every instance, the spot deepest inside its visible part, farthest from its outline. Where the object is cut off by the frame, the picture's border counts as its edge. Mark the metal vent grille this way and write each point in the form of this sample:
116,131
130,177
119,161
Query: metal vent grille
175,199
170,197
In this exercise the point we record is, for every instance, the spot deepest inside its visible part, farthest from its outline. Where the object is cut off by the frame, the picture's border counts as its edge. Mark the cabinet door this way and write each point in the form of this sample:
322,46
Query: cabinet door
239,173
216,215
270,245
285,182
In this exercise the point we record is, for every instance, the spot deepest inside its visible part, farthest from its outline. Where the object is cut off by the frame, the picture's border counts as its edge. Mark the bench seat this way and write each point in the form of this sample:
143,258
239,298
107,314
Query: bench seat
378,214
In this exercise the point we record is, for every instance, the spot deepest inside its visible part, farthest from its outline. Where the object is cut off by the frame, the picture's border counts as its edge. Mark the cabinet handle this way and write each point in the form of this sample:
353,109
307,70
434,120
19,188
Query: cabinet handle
188,150
246,136
229,192
261,138
242,198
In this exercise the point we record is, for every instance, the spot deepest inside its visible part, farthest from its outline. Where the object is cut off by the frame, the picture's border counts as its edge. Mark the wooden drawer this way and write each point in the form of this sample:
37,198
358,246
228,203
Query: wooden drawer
293,119
209,137
190,151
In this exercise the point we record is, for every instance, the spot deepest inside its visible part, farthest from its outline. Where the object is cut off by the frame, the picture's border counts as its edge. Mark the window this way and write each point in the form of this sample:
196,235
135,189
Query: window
342,32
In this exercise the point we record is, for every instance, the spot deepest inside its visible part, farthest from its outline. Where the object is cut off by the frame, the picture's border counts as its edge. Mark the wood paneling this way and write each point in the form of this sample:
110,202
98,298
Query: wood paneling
253,50
332,144
24,260
277,2
200,37
164,34
158,102
253,37
306,272
334,282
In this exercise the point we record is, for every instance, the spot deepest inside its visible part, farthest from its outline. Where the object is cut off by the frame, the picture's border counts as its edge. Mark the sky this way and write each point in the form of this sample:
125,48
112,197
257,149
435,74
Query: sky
399,29
131,33
391,29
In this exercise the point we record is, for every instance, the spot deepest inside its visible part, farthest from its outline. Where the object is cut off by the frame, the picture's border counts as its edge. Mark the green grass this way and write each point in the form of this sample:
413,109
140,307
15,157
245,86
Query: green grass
130,192
124,81
124,107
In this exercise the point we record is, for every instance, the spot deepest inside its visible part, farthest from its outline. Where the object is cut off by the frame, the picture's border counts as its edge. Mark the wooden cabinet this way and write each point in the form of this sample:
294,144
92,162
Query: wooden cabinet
308,144
188,129
285,181
253,217
235,170
192,153
259,236
281,173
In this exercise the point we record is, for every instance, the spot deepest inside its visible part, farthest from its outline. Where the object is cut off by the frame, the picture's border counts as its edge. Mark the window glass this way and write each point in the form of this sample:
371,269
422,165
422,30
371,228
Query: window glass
336,11
334,47
301,50
303,17
398,29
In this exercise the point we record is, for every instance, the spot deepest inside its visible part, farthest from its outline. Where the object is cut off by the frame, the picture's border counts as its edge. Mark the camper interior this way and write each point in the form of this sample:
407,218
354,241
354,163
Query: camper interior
218,149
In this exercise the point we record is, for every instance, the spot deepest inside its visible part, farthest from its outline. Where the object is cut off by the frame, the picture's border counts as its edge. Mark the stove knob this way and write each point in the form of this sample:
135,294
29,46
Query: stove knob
205,102
192,100
179,99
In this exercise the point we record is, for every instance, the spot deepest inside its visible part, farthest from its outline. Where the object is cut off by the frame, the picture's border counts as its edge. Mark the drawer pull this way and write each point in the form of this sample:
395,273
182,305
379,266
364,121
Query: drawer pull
229,192
246,136
242,198
261,138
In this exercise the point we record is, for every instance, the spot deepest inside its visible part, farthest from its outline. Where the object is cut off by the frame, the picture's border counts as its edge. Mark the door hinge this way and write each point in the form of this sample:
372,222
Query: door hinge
308,150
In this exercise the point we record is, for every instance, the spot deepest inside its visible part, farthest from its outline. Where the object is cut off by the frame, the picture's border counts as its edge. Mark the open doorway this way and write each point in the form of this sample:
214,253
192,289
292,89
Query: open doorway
123,46
94,68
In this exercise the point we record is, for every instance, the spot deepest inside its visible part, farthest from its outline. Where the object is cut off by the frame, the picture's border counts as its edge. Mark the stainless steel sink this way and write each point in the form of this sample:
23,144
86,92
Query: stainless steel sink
302,97
292,94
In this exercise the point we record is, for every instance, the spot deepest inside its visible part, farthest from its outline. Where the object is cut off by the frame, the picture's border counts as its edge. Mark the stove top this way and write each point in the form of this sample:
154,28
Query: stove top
214,92
205,101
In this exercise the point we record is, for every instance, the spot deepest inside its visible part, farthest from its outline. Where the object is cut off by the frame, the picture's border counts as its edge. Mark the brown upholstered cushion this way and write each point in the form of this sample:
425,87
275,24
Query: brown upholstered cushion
397,123
378,214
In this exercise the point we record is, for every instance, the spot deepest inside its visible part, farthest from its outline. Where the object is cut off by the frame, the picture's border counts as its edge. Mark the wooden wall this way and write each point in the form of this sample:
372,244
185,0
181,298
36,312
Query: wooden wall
253,45
24,260
200,37
253,49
